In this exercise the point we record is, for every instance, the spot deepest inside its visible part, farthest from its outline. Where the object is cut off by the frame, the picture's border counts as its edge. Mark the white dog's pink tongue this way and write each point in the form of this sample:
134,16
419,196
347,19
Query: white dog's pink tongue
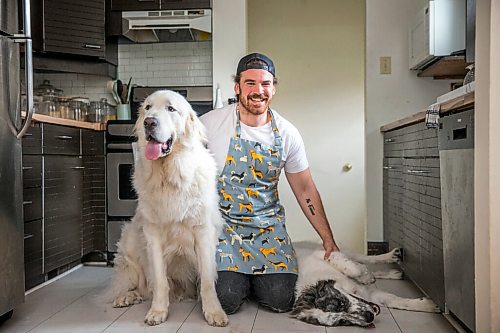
153,150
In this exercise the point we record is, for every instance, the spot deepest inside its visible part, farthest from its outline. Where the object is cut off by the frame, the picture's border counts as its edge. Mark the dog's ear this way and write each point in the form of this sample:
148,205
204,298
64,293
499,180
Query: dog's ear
195,129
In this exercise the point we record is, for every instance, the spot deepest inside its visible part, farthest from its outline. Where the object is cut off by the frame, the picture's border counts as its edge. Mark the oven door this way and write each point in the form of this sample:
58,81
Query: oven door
122,199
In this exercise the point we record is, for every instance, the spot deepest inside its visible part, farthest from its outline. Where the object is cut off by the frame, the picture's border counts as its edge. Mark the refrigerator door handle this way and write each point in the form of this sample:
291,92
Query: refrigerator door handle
28,65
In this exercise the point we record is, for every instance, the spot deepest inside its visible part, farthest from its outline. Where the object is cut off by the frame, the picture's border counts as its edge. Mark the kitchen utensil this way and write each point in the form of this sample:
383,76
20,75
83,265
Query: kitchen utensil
119,90
128,90
111,88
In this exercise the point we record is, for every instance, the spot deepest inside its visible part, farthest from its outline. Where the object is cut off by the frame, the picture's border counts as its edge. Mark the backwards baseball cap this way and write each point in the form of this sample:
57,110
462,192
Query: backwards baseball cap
256,61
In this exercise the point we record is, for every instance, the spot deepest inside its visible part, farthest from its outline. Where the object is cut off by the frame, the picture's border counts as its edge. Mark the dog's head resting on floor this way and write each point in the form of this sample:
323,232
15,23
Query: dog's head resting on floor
325,304
166,123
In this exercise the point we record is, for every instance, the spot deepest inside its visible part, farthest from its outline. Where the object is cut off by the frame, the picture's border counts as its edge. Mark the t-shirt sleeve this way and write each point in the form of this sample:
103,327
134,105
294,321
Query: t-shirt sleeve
296,159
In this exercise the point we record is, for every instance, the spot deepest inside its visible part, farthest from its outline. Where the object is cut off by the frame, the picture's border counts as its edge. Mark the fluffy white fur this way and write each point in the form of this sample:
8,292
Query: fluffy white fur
168,249
352,278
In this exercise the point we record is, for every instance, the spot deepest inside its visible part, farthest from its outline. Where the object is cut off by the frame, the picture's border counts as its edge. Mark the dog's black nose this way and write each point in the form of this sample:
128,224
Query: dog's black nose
369,316
150,123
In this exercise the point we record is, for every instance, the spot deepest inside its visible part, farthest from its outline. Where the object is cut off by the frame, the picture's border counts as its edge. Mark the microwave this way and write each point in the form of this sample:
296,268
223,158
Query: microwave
438,29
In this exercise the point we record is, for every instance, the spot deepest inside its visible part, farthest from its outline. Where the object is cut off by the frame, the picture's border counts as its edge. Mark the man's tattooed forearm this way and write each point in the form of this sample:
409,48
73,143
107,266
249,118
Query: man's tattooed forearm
311,206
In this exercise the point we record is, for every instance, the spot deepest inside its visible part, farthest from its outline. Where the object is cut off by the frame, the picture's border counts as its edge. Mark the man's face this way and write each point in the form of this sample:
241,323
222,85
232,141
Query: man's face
256,90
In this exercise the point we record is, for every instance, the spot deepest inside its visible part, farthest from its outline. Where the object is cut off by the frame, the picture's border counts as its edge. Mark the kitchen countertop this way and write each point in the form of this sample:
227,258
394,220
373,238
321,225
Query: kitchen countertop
67,122
456,103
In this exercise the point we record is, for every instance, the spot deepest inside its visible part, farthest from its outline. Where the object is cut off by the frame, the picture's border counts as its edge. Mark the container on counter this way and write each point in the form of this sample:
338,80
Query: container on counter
108,111
95,112
64,109
79,106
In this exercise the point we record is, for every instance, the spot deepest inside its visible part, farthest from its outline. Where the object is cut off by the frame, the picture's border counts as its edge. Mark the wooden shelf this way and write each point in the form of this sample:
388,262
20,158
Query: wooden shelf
66,122
452,67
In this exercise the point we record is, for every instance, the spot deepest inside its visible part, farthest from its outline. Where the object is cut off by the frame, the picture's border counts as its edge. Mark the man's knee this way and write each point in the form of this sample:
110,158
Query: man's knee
276,291
232,289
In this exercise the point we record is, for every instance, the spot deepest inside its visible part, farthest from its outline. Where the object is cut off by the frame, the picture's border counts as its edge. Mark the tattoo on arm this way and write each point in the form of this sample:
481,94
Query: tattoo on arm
311,206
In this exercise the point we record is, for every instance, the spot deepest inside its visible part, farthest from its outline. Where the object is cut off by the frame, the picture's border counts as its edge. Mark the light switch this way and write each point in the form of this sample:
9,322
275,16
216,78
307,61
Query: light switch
385,65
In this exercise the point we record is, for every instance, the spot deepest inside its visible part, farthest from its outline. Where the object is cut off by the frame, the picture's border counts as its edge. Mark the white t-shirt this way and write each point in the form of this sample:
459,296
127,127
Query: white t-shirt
221,127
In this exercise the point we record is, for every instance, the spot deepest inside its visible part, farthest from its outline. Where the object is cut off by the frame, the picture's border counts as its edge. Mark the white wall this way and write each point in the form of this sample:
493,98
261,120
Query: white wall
166,64
229,42
318,50
486,166
389,97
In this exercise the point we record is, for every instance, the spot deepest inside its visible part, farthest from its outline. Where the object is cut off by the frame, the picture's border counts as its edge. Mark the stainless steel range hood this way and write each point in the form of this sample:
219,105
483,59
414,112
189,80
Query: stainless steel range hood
167,25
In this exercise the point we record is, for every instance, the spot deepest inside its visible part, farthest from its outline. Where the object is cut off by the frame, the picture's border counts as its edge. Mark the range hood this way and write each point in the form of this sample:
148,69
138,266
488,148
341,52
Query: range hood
167,25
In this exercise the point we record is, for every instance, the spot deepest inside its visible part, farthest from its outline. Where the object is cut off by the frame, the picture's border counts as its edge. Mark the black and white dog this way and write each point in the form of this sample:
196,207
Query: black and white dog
340,291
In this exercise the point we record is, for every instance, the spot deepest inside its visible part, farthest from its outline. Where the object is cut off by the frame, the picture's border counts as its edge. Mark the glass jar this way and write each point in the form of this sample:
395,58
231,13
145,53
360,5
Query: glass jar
64,110
95,112
108,111
79,107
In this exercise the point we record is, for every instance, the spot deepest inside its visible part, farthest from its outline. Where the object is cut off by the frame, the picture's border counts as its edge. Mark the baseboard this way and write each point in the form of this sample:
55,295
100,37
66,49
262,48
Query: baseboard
375,248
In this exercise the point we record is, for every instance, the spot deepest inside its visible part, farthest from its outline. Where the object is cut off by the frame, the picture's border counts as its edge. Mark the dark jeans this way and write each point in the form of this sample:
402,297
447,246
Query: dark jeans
276,292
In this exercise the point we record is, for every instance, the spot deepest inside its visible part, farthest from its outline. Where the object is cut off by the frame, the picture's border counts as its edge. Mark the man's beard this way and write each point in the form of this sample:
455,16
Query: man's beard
255,109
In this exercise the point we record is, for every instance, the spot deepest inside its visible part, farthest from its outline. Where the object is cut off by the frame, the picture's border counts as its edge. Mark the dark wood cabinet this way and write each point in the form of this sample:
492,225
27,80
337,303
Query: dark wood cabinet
412,205
131,5
69,27
63,183
64,168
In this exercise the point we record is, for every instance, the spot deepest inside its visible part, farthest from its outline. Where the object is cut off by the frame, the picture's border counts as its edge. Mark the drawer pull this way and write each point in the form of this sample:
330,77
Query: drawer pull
78,167
388,168
389,140
28,236
418,171
64,137
27,134
27,203
92,46
27,168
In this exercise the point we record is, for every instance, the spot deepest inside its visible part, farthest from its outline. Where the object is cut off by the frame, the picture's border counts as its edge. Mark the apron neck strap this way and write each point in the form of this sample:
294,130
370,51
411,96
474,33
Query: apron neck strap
277,136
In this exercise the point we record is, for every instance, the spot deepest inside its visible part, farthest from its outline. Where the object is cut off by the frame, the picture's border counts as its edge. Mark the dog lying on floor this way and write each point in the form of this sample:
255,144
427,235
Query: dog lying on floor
340,292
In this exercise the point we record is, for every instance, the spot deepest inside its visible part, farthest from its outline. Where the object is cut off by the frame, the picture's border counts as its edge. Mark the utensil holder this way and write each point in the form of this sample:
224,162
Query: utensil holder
123,112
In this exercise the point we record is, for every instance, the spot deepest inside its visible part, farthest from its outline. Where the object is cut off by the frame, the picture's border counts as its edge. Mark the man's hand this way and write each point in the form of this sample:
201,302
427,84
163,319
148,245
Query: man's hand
329,247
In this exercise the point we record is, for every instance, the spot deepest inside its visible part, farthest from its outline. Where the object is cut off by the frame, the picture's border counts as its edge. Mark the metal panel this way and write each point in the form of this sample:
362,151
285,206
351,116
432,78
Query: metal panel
458,232
11,215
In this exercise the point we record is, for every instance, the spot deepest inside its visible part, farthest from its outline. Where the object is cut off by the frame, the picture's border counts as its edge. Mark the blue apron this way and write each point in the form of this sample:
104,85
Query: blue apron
254,239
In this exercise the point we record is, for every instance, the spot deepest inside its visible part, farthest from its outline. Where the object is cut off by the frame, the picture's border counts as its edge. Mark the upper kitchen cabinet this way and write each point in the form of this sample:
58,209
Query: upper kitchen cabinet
126,5
69,27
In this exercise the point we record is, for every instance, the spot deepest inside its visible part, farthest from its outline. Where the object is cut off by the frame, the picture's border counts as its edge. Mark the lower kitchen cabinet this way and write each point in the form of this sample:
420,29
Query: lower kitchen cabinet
412,205
64,198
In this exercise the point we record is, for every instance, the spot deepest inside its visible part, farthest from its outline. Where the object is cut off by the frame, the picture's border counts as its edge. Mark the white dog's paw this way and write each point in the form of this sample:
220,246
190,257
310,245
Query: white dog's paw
216,318
427,305
156,317
129,298
366,278
394,274
396,255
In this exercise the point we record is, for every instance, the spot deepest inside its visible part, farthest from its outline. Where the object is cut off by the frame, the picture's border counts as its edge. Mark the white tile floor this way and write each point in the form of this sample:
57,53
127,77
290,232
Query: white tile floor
70,305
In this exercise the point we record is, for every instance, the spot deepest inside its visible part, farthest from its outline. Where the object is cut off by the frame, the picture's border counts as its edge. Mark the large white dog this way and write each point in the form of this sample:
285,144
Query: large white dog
340,292
168,249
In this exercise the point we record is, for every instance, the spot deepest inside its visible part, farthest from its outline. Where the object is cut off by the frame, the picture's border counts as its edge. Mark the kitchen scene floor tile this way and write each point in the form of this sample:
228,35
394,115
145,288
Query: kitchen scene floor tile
72,304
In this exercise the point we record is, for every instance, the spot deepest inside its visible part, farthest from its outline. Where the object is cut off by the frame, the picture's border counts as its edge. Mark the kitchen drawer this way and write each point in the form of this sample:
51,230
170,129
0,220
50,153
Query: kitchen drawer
33,254
32,141
61,140
32,203
32,171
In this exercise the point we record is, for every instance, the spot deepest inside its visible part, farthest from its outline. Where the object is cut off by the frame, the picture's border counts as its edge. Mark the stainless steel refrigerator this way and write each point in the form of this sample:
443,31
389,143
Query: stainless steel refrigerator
12,128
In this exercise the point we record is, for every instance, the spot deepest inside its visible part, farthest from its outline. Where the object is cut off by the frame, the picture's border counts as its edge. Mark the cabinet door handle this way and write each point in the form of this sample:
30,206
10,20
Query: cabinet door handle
64,137
27,168
92,46
27,203
28,236
78,167
27,134
389,140
418,171
388,168
146,0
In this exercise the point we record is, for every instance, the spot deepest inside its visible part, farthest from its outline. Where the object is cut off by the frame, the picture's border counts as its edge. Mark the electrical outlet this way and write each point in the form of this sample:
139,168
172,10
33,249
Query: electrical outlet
385,65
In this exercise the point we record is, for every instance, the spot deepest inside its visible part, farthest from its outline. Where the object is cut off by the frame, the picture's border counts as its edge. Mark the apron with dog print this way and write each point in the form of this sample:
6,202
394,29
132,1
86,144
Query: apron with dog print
254,239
